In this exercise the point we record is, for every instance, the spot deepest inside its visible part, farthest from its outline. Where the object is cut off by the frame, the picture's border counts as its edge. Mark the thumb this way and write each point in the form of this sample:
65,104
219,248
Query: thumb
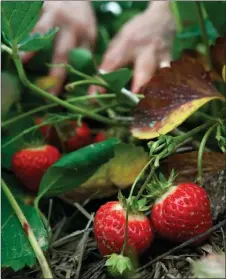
145,67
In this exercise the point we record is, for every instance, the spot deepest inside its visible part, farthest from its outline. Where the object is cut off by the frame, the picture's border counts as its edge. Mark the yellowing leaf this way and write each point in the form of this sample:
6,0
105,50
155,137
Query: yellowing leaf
217,52
171,96
119,173
100,179
185,165
128,162
46,82
224,73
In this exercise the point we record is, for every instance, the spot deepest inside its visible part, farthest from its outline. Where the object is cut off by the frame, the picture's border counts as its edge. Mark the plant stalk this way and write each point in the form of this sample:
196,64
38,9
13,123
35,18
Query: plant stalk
180,139
126,232
46,271
203,32
72,85
201,150
46,107
53,98
6,49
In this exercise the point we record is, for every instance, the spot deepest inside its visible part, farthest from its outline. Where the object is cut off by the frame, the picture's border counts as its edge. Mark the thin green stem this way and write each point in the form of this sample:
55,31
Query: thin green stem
70,69
203,32
201,150
71,86
33,128
178,141
189,135
138,178
174,6
6,49
46,107
55,99
46,271
143,187
126,232
24,115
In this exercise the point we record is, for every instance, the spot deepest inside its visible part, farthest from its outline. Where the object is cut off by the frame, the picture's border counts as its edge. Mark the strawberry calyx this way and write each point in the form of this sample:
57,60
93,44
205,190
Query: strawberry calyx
132,204
160,185
118,264
37,144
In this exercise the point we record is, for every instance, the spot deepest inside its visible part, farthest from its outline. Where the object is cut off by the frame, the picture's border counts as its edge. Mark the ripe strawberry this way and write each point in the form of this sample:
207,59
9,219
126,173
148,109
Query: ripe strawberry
30,164
79,136
47,130
182,213
99,137
109,229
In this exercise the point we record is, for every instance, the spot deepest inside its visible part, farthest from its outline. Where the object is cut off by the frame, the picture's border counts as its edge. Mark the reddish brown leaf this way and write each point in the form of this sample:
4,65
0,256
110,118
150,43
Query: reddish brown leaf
171,96
196,56
218,54
185,164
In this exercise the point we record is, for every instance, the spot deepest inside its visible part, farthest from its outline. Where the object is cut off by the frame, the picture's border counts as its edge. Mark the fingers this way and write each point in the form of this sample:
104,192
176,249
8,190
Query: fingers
117,55
26,56
164,59
92,34
45,23
65,41
144,68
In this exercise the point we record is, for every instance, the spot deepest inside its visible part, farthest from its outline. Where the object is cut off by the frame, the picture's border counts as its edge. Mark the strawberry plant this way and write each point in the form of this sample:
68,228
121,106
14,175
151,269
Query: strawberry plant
60,153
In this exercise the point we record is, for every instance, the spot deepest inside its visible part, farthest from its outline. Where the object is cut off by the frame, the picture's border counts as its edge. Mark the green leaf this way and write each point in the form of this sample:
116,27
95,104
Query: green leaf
218,8
82,60
119,264
38,41
118,173
117,79
16,249
10,92
14,130
75,168
19,18
191,36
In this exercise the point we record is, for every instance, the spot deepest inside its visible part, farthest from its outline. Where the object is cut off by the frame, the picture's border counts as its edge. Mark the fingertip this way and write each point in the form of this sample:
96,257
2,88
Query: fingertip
93,90
26,56
60,74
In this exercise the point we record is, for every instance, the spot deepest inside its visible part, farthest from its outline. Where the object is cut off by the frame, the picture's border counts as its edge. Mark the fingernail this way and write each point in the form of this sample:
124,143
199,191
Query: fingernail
22,53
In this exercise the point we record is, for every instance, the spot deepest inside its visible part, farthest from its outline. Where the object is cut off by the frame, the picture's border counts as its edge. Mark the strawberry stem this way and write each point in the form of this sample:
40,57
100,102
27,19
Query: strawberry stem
201,150
176,141
46,271
203,32
126,231
46,107
71,86
143,187
137,179
53,98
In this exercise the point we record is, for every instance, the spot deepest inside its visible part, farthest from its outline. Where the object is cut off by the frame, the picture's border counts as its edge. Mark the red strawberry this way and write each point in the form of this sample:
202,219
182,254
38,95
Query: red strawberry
109,229
182,213
30,164
47,130
80,136
99,137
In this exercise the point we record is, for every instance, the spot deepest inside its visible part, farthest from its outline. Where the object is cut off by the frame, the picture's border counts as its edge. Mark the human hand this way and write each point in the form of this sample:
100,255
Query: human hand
145,42
77,28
